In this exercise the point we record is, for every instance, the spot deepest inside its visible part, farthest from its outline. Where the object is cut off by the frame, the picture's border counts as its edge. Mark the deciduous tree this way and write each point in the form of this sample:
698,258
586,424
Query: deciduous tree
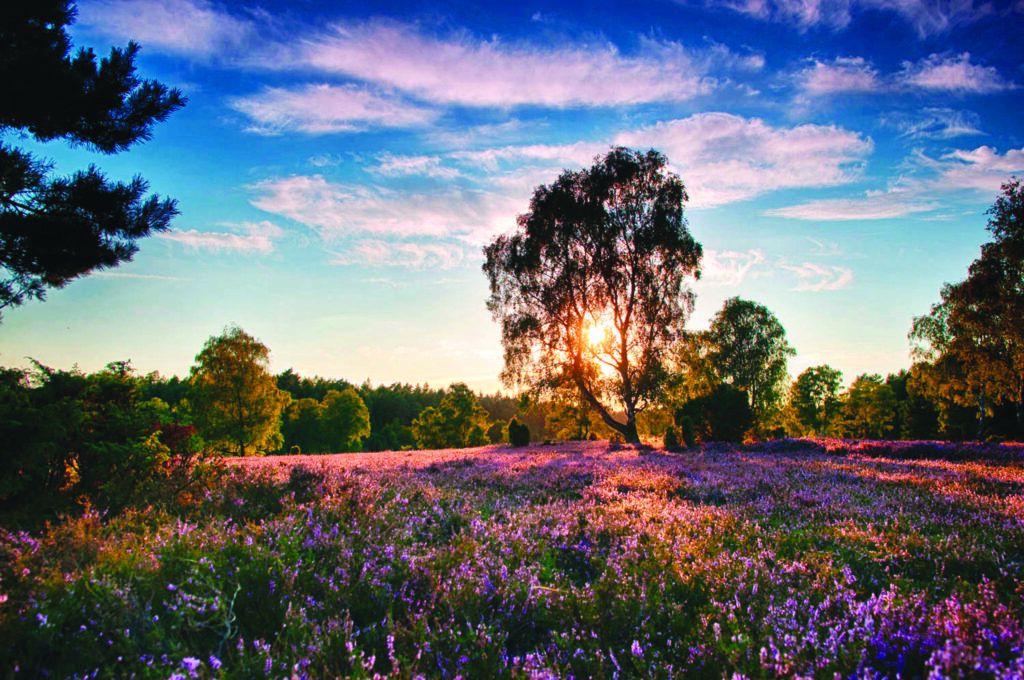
54,230
235,400
344,422
747,348
459,421
590,291
979,321
815,398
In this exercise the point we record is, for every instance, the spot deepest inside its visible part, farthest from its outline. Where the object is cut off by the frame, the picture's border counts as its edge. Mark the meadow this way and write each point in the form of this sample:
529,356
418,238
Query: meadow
793,558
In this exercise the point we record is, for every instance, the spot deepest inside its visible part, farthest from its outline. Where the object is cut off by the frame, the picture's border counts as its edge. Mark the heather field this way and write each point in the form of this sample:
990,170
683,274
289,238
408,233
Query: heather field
789,559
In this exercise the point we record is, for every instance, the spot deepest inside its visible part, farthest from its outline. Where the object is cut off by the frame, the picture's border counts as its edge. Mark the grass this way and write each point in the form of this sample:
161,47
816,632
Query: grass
792,559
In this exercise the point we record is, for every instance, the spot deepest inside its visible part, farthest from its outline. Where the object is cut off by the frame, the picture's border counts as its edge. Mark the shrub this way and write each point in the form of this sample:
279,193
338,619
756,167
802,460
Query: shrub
671,438
685,425
723,415
518,433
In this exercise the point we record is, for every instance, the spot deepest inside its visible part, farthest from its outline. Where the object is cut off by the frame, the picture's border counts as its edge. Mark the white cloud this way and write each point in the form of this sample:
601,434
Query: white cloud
338,210
875,205
728,267
935,123
932,17
401,254
845,74
464,70
953,74
983,169
724,158
249,238
927,17
195,28
390,165
814,277
327,108
834,14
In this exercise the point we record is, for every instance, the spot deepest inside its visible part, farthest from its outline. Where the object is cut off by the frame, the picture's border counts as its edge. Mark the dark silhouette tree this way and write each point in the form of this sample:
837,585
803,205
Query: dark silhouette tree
591,289
54,230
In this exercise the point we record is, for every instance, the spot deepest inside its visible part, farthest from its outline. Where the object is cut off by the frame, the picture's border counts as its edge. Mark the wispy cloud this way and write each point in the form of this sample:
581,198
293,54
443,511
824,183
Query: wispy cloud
724,158
935,123
935,73
953,74
338,210
390,165
465,70
874,205
246,238
844,74
927,17
814,277
728,267
328,108
193,28
401,254
983,168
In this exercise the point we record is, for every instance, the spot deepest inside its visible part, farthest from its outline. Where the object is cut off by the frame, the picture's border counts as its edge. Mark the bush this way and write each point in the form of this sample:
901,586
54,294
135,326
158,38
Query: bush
518,433
723,415
686,433
671,439
70,437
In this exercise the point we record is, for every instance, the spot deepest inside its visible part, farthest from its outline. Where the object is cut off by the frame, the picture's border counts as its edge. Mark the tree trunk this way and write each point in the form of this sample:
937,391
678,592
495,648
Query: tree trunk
627,430
981,414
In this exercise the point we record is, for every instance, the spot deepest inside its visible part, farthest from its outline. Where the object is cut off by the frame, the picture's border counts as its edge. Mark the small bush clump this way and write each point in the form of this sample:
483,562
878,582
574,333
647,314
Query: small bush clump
518,433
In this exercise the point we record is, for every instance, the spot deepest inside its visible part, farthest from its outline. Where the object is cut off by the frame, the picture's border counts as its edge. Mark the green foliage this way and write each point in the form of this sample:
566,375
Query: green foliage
671,440
54,230
392,409
723,415
235,401
518,433
979,322
601,248
815,398
70,437
300,425
344,421
686,430
457,422
747,348
869,409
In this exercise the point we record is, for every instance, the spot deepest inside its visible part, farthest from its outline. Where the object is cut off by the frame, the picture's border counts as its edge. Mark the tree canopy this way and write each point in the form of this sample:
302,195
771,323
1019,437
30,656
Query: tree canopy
747,349
590,290
235,400
54,230
458,422
815,397
978,325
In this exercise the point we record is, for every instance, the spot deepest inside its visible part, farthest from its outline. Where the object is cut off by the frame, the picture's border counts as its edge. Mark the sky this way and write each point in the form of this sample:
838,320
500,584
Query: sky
340,165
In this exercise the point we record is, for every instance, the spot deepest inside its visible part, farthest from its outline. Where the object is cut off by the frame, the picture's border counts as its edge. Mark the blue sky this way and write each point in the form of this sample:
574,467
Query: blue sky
339,166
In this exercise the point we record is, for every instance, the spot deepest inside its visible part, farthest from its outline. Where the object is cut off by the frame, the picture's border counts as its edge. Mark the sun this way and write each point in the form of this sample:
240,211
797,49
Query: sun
596,334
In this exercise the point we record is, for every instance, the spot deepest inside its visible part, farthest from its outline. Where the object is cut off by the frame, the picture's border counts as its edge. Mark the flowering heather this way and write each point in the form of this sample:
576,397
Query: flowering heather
791,559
